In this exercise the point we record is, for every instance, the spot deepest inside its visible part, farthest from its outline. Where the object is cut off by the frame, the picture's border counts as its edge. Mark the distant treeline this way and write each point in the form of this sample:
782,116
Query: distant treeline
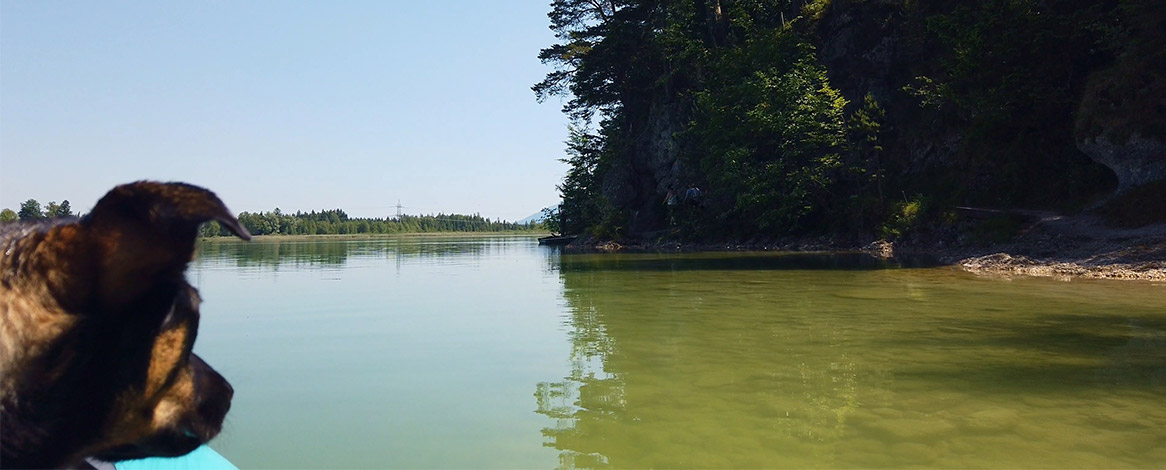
32,210
329,222
336,222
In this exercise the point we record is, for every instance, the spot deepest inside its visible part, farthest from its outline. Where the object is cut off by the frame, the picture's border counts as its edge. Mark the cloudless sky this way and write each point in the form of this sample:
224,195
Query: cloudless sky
291,104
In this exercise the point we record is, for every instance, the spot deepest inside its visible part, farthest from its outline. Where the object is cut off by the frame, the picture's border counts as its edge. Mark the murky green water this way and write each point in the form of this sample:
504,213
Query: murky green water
494,352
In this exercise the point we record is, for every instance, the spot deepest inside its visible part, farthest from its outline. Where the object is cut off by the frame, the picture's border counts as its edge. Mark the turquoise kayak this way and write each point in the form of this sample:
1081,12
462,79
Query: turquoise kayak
202,458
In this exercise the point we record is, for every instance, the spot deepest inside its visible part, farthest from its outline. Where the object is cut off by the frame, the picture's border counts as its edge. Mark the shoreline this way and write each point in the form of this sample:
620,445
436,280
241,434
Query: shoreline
1077,247
1060,247
373,236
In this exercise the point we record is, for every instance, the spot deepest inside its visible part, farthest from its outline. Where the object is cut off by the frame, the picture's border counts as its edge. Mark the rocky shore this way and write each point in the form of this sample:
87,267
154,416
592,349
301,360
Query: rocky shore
1081,246
1056,246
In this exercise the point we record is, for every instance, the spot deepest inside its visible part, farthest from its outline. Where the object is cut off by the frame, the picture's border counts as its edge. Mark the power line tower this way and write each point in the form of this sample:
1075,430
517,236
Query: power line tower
399,207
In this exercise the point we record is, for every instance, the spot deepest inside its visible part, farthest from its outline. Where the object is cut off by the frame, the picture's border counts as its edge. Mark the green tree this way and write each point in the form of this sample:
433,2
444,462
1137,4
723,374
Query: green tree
31,210
8,215
762,129
627,61
551,220
582,201
209,229
54,210
772,142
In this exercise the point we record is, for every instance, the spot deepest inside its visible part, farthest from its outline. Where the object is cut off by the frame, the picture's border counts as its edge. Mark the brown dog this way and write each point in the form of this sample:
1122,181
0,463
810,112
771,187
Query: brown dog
97,323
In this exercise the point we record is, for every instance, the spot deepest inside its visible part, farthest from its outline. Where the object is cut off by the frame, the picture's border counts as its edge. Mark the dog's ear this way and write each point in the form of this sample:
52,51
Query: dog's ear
145,234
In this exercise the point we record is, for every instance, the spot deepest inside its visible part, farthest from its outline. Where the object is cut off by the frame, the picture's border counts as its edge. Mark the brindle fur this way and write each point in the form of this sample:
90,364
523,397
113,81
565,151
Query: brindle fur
97,323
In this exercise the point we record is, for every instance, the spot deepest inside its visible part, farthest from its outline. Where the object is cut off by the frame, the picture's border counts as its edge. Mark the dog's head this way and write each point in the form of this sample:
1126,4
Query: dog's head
97,323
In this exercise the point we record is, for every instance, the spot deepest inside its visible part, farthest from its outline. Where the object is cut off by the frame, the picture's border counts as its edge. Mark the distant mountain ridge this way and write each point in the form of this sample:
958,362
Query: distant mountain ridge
538,217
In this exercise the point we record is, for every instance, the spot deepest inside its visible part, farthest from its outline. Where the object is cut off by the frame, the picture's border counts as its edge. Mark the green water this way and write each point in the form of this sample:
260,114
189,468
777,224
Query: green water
497,353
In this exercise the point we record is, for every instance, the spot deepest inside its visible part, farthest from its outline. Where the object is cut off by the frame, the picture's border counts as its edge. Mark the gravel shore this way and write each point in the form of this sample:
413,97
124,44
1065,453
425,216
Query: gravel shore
1080,246
1052,245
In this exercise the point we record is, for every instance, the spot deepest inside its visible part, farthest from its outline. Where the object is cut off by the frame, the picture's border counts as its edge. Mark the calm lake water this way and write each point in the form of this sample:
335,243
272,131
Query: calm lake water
493,352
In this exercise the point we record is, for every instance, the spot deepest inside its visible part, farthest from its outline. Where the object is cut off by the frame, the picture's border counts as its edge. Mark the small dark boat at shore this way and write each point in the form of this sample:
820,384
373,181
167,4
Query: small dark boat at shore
557,240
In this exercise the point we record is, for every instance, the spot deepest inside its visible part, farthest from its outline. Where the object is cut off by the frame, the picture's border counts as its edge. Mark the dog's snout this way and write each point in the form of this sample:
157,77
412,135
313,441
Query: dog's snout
212,399
229,390
214,404
214,391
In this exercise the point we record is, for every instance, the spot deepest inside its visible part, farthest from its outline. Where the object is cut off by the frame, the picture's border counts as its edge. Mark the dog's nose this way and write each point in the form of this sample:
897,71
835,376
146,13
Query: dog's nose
213,396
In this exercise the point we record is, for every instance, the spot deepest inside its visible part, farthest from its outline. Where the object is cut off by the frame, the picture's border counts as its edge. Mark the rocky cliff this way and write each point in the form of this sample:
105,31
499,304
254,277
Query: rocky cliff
830,116
1121,121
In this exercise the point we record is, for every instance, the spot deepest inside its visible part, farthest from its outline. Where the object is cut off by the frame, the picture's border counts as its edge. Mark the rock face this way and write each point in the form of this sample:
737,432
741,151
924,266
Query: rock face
864,51
1113,113
1121,122
1137,161
640,184
1120,118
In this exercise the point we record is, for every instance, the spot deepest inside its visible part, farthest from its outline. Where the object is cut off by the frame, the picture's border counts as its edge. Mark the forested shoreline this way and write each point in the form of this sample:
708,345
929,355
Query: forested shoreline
325,222
875,117
337,222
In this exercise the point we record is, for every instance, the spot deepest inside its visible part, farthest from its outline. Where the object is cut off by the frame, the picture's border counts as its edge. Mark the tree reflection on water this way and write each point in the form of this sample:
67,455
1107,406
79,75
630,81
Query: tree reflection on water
336,252
666,372
756,361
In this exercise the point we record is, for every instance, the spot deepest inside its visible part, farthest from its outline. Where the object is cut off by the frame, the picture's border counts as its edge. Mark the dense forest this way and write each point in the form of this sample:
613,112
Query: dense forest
713,119
337,222
327,222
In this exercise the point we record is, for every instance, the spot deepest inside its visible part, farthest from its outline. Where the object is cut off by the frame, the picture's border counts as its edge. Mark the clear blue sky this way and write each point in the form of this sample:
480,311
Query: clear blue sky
291,104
